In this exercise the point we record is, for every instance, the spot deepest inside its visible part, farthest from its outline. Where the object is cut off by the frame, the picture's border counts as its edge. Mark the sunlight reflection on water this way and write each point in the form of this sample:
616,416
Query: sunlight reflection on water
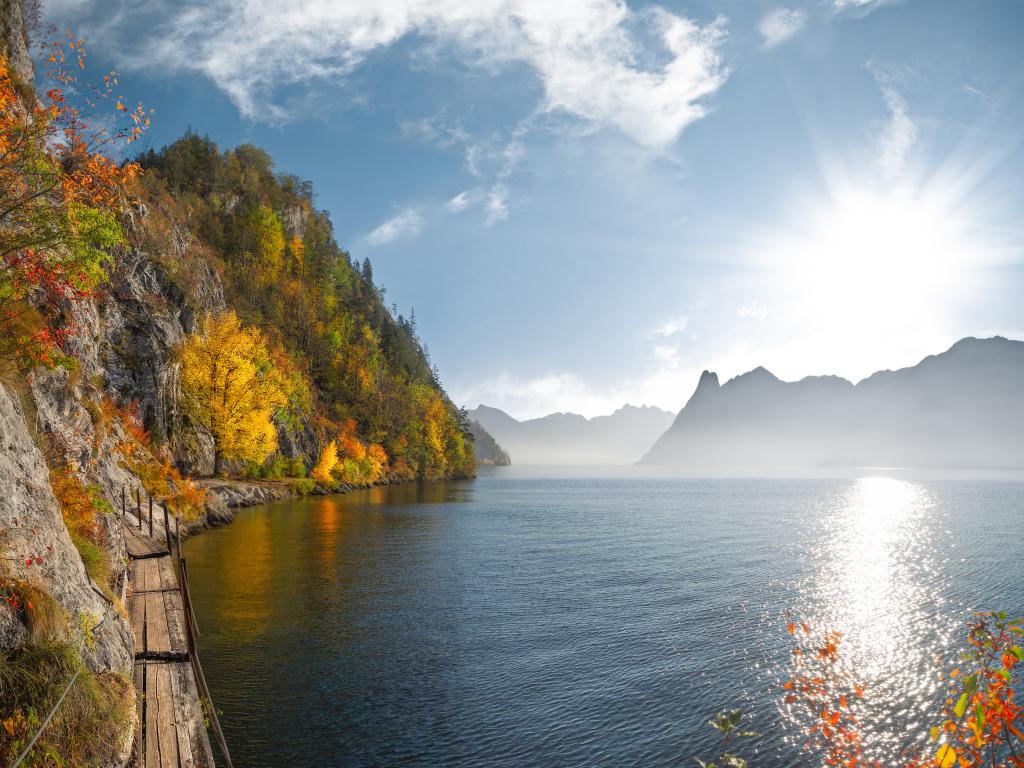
875,580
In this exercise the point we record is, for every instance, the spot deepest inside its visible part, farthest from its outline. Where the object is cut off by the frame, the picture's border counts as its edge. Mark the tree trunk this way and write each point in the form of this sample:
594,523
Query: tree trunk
218,461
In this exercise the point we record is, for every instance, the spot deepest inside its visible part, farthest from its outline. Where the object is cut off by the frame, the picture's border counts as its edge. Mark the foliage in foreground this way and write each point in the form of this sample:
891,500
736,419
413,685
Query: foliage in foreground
981,725
60,200
91,722
728,724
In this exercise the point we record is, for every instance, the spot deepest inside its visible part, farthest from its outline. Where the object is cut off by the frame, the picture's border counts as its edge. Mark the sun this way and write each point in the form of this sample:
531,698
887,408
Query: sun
902,252
876,268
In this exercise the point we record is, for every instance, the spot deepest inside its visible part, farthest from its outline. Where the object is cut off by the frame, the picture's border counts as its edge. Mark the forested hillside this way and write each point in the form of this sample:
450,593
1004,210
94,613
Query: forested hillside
322,313
487,449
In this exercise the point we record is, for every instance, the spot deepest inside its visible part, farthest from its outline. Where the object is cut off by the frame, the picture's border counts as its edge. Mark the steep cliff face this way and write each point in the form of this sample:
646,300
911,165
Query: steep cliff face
35,546
14,42
39,550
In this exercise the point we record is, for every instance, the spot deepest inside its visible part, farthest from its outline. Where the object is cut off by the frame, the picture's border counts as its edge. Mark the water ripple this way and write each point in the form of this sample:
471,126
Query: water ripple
588,621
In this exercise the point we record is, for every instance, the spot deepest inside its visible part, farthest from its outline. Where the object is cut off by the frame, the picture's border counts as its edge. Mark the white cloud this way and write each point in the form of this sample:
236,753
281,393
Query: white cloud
672,327
645,72
899,133
780,25
459,203
497,204
404,225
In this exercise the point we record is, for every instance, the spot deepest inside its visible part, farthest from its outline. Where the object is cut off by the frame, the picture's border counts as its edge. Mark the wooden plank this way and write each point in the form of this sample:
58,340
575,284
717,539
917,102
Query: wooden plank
173,732
174,613
138,579
154,574
137,612
140,709
185,724
168,574
158,641
145,574
167,721
152,717
140,546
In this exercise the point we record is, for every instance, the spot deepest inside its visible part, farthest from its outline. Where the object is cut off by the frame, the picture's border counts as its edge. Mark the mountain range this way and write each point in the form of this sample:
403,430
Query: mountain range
569,438
958,409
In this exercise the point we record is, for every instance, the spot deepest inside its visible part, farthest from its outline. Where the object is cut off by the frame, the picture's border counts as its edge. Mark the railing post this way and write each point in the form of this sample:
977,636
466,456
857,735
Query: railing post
186,604
183,579
150,515
167,525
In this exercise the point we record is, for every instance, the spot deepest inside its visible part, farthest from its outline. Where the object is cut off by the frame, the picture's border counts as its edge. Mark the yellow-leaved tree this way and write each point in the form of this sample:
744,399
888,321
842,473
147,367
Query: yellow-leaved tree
230,386
328,461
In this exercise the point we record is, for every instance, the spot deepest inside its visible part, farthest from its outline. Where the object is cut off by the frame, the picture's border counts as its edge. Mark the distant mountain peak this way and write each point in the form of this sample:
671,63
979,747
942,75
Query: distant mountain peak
708,380
961,408
639,409
759,374
569,438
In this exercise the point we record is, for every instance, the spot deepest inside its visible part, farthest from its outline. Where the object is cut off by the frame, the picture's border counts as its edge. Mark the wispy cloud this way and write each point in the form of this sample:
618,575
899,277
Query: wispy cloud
493,160
858,6
899,133
780,25
404,225
459,203
672,327
645,72
497,204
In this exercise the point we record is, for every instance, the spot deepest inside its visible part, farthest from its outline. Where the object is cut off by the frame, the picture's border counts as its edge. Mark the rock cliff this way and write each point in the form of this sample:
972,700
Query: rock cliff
38,548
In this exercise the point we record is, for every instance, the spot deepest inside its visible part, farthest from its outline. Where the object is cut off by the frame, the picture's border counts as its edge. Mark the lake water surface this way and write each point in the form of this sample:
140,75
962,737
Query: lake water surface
587,617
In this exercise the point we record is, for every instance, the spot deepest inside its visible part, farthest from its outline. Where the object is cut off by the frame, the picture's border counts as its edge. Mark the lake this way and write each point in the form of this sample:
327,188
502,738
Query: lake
588,617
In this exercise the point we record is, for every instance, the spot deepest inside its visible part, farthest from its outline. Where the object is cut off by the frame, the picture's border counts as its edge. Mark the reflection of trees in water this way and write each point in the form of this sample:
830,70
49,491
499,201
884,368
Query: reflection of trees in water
417,493
269,554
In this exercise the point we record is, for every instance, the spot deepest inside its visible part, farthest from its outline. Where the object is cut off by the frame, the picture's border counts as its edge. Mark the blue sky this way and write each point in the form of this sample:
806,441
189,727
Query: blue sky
588,202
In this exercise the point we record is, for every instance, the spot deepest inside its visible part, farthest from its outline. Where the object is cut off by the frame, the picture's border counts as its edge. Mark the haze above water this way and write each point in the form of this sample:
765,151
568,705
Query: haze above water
586,617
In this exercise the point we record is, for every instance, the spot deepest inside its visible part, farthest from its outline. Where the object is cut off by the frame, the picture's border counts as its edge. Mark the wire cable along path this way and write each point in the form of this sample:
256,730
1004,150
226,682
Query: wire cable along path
174,700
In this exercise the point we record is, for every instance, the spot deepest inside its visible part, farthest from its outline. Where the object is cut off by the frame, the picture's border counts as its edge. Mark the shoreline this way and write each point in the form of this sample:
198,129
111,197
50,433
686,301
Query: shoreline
224,496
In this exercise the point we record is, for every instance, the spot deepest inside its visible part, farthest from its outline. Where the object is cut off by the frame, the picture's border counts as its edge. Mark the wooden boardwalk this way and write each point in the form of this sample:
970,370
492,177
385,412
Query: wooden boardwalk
141,546
172,729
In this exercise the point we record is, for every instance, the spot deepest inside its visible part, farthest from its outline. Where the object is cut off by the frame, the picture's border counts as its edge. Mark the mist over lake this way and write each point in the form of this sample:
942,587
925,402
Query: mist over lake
598,616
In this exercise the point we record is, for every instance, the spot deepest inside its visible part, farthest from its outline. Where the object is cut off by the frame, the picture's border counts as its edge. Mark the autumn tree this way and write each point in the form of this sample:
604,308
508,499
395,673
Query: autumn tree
326,463
231,388
60,199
